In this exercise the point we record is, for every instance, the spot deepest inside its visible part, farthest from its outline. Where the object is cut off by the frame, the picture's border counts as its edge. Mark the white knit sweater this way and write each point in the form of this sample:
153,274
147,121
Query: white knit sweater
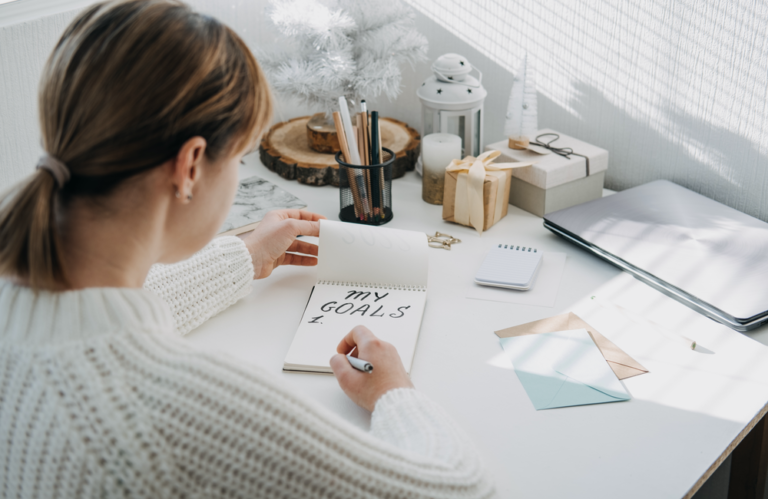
99,397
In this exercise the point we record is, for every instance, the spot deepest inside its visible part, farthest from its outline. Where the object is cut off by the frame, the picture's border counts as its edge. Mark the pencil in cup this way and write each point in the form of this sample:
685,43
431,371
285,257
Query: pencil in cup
364,144
354,158
381,160
344,144
360,175
381,191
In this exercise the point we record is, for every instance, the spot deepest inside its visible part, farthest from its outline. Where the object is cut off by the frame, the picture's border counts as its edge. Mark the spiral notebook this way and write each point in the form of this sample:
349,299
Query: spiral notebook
366,275
509,266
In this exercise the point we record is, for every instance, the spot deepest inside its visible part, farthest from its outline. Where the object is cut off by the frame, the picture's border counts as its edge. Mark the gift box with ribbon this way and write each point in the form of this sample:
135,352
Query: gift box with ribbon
477,190
565,172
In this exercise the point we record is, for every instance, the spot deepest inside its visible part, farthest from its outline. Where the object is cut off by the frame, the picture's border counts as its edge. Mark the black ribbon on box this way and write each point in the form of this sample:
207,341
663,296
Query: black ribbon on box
565,152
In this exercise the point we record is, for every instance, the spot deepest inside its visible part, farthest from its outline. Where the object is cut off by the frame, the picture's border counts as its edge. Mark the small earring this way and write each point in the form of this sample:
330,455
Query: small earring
178,194
189,197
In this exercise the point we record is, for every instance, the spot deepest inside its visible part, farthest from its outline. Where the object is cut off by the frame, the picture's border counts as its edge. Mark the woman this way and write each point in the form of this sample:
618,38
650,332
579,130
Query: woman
146,110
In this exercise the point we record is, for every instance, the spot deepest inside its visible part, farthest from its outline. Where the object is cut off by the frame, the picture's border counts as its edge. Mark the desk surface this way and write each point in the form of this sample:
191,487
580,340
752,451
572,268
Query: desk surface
682,420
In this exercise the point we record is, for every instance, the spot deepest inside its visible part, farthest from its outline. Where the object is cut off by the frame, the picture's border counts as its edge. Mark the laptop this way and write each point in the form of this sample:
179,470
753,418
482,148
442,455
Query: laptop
710,257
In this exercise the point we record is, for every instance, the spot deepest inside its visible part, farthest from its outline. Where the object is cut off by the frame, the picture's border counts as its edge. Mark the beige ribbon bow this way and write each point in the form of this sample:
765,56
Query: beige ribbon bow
468,207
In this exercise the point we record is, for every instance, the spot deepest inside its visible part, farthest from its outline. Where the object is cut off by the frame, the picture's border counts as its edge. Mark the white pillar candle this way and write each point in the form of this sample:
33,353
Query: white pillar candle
437,152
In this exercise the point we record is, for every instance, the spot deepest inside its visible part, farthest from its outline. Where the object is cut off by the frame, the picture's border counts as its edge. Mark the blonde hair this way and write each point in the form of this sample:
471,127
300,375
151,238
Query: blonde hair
128,83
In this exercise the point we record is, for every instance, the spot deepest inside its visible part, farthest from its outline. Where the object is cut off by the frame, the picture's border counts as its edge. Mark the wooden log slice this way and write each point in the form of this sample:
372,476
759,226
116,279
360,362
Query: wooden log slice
286,151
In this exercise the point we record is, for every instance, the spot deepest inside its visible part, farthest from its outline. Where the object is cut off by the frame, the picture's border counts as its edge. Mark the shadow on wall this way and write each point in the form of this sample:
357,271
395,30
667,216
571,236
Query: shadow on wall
674,91
656,155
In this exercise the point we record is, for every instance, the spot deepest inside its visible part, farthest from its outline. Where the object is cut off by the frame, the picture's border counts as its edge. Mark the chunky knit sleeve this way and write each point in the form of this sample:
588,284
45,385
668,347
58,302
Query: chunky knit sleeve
101,399
235,431
210,281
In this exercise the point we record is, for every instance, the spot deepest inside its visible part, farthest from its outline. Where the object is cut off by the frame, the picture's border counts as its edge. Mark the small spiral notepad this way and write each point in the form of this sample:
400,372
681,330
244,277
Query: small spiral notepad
509,266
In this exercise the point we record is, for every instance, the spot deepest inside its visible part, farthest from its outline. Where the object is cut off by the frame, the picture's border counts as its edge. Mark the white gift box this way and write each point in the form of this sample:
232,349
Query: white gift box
554,182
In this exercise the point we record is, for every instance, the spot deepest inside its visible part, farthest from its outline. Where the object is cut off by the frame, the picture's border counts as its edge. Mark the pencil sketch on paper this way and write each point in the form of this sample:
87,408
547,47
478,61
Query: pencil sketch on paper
255,197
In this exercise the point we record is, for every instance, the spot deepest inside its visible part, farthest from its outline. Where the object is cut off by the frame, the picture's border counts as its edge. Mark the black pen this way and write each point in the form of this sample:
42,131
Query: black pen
375,160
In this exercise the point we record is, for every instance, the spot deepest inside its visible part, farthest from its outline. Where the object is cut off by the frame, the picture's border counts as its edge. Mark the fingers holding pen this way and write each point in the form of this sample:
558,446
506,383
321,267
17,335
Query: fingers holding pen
365,388
355,338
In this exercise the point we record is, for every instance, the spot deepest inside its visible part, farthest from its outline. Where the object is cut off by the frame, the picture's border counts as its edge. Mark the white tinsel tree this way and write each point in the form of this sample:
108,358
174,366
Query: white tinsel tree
353,48
522,114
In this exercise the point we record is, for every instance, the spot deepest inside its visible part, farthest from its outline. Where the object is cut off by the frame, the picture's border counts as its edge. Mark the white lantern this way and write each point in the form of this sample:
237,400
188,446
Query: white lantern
452,102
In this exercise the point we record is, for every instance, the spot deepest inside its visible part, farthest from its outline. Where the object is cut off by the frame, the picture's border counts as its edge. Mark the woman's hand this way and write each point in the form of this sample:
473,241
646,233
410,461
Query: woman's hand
273,242
388,372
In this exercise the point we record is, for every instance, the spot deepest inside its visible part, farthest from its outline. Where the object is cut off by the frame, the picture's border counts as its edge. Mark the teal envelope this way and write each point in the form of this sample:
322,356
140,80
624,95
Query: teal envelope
562,369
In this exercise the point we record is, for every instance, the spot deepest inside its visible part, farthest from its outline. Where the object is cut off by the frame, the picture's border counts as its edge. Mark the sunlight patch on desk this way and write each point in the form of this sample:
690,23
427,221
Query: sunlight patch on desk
501,361
727,381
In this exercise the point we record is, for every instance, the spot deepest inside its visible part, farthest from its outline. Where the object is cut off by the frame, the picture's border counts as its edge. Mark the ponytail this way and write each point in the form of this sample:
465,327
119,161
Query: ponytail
28,241
129,82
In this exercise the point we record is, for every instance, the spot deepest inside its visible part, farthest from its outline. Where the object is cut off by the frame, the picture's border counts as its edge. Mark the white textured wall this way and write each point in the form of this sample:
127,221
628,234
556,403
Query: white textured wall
24,49
673,90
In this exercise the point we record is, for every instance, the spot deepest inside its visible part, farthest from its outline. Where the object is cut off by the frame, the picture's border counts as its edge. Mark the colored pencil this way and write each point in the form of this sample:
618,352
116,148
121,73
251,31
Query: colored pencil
350,174
354,153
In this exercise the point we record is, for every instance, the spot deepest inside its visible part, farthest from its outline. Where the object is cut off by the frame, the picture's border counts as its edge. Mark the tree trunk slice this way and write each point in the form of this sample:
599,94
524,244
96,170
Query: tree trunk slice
322,135
285,150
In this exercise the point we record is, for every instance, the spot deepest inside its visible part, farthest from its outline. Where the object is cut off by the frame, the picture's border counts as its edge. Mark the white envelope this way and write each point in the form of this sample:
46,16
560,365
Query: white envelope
562,369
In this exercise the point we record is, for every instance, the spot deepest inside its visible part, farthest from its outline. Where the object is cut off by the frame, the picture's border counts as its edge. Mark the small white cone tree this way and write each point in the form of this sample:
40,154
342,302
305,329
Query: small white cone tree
522,114
353,48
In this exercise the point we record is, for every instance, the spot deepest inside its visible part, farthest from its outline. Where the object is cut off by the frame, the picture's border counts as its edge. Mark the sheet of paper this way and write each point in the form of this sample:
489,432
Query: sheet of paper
563,369
255,197
394,315
543,293
620,362
358,253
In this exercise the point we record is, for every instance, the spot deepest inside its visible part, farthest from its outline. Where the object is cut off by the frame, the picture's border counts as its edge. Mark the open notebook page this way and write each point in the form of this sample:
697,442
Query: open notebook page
371,276
376,255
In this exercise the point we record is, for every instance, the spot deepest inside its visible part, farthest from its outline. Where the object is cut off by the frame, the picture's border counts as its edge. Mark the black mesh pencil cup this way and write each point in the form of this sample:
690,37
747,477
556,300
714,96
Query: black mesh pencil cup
365,192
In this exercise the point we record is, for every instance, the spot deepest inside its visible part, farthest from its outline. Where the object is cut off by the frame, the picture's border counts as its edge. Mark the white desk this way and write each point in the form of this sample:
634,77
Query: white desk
663,443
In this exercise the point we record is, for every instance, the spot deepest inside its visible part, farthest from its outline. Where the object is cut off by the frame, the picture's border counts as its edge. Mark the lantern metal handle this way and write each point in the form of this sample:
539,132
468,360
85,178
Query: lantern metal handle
479,75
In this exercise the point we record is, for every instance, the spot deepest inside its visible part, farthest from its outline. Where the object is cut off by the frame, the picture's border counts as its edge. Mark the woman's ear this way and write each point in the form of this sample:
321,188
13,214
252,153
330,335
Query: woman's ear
186,168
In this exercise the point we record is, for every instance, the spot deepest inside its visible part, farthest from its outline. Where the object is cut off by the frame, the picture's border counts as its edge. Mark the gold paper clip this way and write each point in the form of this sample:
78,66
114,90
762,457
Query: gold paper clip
440,240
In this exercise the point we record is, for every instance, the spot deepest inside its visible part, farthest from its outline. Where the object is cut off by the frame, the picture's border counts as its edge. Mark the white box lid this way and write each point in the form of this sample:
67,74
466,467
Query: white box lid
551,170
